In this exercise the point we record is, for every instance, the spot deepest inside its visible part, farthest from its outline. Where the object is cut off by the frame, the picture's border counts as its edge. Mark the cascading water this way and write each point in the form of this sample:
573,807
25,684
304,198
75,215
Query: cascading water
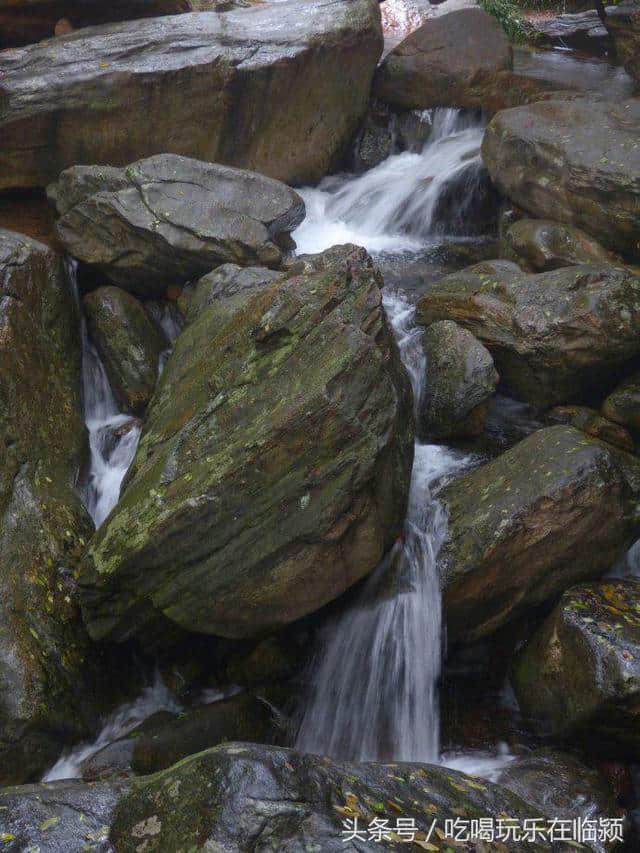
375,688
394,207
374,684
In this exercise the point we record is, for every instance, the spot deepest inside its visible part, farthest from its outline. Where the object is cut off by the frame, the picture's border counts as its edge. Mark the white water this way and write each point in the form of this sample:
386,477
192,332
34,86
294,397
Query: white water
124,719
113,436
374,692
391,207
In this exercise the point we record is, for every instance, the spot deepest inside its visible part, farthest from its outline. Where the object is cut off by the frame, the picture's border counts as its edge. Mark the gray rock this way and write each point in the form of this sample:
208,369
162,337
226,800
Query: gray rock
460,379
229,285
245,88
555,337
551,511
575,161
59,817
168,219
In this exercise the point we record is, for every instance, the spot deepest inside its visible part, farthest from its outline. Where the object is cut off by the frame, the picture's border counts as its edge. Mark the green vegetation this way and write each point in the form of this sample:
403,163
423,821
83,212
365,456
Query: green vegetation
508,14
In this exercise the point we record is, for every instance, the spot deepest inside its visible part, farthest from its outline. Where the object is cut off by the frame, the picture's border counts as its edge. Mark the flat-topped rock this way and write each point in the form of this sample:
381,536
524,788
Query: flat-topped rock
245,88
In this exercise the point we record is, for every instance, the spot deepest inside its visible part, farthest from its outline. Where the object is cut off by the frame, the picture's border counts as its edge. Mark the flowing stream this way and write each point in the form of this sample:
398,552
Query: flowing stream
374,683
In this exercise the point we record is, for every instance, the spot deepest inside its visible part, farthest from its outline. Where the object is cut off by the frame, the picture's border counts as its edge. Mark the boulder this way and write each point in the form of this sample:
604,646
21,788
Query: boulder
551,511
436,65
26,21
623,24
239,88
538,245
168,219
556,336
129,343
623,404
576,161
579,675
227,285
43,527
580,30
561,786
592,423
460,379
58,817
274,466
245,716
291,801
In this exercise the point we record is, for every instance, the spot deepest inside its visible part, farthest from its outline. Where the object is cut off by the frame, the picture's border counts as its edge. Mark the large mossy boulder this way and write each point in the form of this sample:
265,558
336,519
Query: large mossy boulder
59,817
579,675
169,219
538,245
555,337
129,343
278,88
623,24
551,511
43,527
460,379
273,469
575,161
435,65
227,285
243,797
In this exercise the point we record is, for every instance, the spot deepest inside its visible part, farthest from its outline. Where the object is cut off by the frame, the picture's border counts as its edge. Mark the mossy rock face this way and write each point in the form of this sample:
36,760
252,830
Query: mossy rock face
230,283
278,89
59,817
460,379
129,344
168,219
43,527
555,337
550,511
574,161
242,797
274,466
539,245
592,423
623,404
579,675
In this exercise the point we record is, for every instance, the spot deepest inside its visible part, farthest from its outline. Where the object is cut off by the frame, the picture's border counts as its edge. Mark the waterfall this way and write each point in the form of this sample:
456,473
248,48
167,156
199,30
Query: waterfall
123,720
113,435
374,683
398,205
374,693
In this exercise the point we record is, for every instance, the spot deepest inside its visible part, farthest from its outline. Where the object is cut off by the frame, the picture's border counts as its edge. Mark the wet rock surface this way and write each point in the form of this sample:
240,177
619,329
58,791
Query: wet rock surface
168,219
460,379
555,337
290,801
623,24
573,161
59,817
578,676
552,510
228,428
129,343
238,88
538,245
43,527
623,404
